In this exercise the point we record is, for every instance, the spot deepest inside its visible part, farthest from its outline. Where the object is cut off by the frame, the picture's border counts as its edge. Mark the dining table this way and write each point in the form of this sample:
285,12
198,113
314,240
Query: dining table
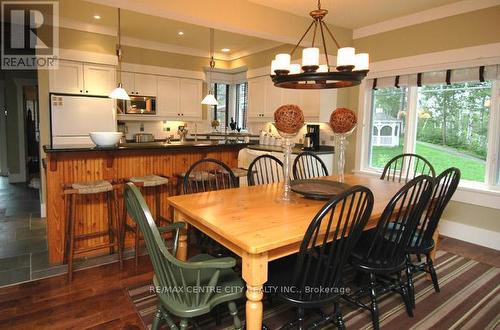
255,224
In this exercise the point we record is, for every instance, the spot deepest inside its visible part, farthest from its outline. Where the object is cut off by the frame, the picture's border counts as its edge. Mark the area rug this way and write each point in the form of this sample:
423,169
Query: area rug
469,299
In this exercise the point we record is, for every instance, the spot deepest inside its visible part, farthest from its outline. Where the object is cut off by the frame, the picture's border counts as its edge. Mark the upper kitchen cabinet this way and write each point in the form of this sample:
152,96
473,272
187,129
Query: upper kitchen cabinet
98,79
139,83
179,98
82,78
257,99
264,98
168,102
190,94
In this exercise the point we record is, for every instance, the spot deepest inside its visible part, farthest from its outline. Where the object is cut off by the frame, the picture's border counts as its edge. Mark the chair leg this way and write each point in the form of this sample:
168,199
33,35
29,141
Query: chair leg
300,318
71,238
117,229
374,306
110,223
338,317
157,191
430,266
67,215
406,295
218,312
156,320
183,324
409,281
233,311
136,246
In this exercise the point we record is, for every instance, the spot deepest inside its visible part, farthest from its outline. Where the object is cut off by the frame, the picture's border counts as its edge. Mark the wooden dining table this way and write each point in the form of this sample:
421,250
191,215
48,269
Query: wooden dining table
253,223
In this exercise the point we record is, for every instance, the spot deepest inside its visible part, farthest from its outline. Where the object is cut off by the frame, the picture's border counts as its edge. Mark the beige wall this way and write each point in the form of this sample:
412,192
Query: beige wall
465,30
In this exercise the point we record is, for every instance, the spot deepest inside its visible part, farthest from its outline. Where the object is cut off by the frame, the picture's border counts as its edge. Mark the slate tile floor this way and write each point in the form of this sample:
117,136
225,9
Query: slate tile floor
23,239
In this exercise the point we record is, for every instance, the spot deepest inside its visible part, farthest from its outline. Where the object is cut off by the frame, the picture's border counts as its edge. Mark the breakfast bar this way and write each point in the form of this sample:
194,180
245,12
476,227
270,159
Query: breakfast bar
82,163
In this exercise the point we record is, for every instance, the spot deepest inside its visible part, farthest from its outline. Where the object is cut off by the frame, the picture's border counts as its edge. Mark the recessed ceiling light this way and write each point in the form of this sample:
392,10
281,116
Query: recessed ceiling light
97,16
180,33
225,50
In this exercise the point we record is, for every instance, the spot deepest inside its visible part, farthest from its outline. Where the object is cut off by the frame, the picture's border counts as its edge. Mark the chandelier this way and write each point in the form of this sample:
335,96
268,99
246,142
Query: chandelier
350,70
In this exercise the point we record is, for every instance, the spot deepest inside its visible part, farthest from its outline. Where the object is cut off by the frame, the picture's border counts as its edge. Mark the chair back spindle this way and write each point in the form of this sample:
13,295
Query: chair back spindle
208,175
265,169
398,222
405,167
328,242
308,165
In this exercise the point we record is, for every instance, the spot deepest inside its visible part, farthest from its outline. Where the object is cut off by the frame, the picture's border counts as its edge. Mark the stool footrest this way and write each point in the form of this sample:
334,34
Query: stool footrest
93,248
92,235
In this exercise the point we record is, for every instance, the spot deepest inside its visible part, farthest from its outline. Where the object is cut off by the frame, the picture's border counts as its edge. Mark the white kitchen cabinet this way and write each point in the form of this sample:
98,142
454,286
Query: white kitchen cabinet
168,101
190,99
98,79
139,84
146,84
273,99
257,99
128,82
310,102
82,78
68,78
264,98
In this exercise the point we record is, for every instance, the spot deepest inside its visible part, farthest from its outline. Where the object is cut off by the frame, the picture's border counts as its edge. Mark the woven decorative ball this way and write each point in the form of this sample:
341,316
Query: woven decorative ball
289,118
342,120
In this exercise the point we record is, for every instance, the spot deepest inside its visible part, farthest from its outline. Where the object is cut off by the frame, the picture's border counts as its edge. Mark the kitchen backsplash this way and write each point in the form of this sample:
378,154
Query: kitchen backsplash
157,128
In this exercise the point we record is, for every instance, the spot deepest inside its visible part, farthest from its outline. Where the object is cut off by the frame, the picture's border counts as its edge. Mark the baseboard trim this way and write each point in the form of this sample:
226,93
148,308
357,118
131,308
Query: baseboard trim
471,234
43,210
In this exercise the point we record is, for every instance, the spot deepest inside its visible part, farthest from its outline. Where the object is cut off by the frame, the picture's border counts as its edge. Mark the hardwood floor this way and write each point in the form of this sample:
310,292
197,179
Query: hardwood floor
97,298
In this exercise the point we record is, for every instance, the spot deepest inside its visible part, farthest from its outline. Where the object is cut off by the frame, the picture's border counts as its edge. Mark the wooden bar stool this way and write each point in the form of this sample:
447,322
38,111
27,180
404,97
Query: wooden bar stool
113,231
143,182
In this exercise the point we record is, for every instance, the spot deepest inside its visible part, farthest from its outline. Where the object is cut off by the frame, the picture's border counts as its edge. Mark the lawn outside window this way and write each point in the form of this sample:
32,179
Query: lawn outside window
450,123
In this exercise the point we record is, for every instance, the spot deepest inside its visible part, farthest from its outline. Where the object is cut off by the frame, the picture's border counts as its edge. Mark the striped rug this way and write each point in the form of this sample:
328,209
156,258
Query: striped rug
469,299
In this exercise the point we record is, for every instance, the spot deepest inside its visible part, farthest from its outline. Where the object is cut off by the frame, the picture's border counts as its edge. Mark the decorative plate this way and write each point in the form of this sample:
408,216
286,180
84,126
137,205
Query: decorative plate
318,189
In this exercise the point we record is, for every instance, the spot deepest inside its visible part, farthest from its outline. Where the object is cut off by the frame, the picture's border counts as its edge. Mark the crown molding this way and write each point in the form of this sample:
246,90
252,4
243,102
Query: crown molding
424,16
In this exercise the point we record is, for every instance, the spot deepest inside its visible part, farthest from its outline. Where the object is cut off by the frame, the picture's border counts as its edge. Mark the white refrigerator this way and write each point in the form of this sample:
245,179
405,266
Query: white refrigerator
72,117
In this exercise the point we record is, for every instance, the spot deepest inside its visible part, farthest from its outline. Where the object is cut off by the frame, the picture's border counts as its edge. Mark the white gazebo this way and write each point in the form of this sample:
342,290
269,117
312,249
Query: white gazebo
386,129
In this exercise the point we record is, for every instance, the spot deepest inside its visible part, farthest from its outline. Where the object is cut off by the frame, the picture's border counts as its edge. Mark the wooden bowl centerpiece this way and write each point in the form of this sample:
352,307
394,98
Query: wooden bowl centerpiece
343,121
289,119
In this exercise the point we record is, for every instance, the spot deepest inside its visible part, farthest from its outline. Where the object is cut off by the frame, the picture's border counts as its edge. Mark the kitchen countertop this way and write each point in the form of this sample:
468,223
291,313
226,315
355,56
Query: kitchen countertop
323,150
145,146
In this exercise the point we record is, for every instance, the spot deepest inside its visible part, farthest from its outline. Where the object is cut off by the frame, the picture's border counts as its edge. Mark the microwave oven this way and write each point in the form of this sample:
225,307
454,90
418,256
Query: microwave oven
137,105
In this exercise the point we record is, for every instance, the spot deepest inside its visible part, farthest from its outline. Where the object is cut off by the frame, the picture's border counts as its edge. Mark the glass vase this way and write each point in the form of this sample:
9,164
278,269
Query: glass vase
341,139
287,144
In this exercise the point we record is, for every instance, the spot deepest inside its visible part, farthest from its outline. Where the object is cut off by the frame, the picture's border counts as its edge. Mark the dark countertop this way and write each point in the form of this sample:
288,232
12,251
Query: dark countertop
323,150
145,146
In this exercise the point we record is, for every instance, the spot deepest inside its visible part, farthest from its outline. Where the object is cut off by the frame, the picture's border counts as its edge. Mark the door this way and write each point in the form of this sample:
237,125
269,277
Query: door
98,79
68,78
145,84
256,98
190,98
168,97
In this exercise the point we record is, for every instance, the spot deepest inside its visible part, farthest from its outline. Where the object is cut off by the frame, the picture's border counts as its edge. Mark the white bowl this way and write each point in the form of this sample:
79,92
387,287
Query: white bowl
105,139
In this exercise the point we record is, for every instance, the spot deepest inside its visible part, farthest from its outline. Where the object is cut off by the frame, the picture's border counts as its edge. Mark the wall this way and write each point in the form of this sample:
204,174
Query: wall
459,31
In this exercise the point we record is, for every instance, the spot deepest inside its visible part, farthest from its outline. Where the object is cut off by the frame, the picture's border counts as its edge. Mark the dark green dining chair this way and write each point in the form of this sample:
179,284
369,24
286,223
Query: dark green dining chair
184,289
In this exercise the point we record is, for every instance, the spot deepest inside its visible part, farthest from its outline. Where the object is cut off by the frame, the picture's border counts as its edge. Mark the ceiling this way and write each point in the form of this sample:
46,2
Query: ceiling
157,30
356,13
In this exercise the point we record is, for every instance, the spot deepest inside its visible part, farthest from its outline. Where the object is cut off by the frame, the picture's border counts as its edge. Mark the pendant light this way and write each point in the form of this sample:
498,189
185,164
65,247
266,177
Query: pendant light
210,98
119,93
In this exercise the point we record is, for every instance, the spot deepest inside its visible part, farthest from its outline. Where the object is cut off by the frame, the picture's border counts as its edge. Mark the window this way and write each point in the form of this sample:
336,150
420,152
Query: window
389,108
233,100
454,123
452,127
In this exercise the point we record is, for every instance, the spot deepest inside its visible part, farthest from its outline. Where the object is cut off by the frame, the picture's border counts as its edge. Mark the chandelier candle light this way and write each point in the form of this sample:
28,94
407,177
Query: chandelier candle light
351,68
210,99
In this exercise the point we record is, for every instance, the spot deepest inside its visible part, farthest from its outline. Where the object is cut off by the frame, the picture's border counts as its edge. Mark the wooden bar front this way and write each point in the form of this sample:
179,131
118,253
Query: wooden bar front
64,168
